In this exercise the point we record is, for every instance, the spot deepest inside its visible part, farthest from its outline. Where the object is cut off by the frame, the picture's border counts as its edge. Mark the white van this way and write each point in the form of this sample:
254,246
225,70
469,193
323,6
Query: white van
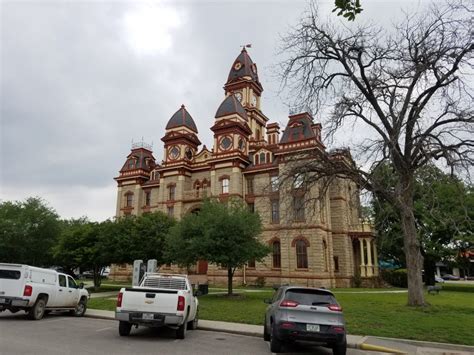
37,290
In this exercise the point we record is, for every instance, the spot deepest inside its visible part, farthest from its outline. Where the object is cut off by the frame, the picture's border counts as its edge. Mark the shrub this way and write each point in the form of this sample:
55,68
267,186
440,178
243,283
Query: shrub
260,282
396,278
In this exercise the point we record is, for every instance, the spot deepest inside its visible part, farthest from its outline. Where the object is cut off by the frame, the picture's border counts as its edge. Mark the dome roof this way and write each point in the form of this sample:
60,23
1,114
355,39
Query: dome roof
243,66
182,118
229,106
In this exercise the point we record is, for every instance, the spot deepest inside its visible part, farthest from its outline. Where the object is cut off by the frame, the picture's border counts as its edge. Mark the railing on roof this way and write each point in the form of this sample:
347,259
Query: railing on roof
142,144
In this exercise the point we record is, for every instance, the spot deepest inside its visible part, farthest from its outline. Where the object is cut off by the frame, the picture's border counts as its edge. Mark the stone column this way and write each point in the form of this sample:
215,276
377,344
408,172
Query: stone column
376,260
370,267
362,258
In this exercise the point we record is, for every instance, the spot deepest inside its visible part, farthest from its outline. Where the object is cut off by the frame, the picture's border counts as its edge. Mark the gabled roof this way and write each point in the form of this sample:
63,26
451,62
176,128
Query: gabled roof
182,118
245,68
230,106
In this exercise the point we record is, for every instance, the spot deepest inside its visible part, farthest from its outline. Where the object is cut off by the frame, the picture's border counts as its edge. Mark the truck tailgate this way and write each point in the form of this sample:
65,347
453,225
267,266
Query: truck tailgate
11,280
150,300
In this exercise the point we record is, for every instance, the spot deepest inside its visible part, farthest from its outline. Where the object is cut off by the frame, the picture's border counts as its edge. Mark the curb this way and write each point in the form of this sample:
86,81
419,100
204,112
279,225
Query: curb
426,344
229,331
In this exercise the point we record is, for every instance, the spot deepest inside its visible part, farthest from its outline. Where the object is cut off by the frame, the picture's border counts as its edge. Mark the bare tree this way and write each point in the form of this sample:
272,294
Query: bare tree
407,87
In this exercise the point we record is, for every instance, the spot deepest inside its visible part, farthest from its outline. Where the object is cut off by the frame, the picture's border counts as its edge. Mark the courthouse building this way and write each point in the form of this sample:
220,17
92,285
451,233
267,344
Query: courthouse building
317,243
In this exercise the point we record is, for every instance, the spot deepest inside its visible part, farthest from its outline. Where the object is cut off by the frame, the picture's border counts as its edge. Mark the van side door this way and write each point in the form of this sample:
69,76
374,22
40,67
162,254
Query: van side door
73,292
62,292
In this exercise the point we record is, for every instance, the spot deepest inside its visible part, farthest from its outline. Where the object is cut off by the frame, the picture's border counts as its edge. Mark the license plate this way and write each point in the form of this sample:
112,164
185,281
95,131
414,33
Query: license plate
3,300
147,316
312,327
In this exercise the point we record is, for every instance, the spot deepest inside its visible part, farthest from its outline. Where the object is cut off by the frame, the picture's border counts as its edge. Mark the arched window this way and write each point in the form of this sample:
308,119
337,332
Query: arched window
301,254
129,199
262,158
268,158
276,254
256,159
225,186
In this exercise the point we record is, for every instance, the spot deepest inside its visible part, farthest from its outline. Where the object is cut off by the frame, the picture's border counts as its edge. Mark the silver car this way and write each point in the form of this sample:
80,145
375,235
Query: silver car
303,313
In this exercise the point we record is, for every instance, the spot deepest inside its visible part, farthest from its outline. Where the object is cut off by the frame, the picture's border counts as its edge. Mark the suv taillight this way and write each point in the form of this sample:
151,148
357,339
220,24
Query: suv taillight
28,291
119,299
181,302
335,307
288,303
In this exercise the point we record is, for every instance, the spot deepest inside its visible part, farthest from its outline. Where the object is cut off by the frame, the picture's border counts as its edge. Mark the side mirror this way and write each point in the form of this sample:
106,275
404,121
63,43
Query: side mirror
81,285
267,301
197,293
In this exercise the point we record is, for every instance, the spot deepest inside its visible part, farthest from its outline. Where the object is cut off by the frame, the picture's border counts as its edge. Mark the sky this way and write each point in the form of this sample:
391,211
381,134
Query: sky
81,80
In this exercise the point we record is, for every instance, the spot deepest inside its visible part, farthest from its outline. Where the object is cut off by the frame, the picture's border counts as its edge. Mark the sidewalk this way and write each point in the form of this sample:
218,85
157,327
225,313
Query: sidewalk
367,343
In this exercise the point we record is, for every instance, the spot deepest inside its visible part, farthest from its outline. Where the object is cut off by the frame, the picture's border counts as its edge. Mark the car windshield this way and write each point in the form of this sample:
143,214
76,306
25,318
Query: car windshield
10,274
310,297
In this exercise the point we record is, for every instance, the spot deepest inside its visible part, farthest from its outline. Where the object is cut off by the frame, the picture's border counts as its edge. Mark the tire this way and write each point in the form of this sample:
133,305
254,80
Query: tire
192,325
37,311
275,343
340,349
80,308
266,334
181,331
124,328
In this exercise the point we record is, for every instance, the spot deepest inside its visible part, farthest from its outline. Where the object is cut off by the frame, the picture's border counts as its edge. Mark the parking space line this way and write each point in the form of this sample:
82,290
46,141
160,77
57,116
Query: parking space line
101,330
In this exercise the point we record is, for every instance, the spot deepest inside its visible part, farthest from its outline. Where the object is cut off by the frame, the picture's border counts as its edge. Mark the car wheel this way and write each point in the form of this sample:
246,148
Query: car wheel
266,335
124,328
37,311
340,348
192,325
181,331
275,343
80,308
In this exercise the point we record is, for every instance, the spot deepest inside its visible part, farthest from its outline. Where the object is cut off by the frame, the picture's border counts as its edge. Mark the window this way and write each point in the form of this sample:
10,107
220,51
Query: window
336,263
251,264
275,211
298,208
298,181
262,158
10,274
171,211
250,186
129,202
225,186
71,282
275,183
301,255
325,252
131,163
251,207
172,191
276,255
147,198
62,281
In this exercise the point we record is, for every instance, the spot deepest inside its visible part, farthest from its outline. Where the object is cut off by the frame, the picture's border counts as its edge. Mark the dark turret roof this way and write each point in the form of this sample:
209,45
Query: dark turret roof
229,106
247,68
182,118
299,128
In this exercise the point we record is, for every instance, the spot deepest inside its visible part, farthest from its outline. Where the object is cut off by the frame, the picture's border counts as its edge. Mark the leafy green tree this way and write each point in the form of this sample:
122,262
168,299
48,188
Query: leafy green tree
221,233
28,230
348,8
444,211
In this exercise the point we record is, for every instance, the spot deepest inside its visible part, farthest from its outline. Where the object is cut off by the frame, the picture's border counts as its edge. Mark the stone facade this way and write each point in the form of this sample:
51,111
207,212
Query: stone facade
316,234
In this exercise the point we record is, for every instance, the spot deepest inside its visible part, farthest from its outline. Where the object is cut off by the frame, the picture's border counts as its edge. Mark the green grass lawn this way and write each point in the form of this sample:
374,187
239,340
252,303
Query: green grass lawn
450,318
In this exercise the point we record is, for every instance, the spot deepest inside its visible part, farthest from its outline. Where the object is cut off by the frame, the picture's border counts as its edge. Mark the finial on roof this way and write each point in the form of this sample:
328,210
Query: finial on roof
246,46
182,105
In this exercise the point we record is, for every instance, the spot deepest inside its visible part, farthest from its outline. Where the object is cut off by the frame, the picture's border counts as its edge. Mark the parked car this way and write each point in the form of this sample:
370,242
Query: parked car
449,277
438,279
303,313
37,291
160,300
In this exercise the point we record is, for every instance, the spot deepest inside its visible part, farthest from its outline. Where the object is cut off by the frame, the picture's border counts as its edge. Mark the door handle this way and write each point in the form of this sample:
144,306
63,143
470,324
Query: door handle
70,291
60,290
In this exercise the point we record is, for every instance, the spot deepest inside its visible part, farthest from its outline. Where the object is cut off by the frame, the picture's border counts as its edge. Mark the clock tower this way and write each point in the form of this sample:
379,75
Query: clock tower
243,83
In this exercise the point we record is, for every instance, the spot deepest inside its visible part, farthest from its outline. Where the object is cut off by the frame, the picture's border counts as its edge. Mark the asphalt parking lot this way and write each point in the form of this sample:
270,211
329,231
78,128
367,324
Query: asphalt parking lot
62,334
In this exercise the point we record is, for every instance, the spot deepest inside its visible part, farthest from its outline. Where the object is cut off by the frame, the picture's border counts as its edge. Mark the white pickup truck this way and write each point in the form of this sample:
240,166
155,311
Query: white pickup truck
160,300
38,291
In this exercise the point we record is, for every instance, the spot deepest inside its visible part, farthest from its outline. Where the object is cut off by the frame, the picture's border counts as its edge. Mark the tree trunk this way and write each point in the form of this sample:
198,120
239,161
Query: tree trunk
411,244
229,281
429,264
97,277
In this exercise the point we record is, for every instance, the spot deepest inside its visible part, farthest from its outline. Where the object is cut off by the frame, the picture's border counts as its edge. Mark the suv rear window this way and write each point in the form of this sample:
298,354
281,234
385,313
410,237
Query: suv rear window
10,274
310,297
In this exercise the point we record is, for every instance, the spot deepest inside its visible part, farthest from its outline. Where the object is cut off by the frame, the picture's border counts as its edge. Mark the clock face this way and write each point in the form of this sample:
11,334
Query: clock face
238,95
226,143
189,153
254,100
237,65
174,152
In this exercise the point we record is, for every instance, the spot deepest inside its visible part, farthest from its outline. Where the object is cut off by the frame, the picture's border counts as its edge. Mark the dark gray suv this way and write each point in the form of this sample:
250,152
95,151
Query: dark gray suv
303,313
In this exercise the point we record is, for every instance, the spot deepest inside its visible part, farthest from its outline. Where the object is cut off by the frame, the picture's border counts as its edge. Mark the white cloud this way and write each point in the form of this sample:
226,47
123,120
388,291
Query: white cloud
148,27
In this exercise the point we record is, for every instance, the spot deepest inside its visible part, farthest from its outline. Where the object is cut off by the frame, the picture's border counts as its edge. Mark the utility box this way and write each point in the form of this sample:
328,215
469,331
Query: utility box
137,268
